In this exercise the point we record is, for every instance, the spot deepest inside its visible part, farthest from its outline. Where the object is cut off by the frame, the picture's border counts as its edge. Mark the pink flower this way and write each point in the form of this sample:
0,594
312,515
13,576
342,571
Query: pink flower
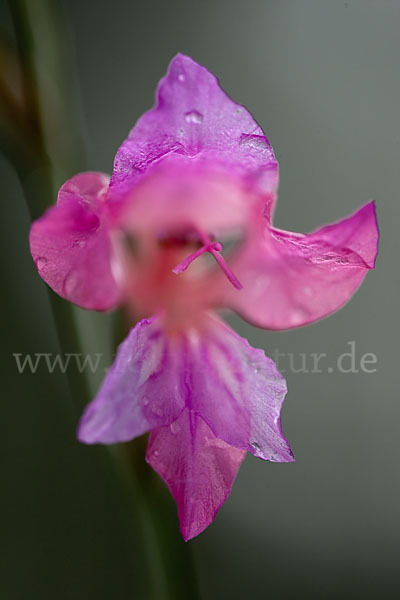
195,172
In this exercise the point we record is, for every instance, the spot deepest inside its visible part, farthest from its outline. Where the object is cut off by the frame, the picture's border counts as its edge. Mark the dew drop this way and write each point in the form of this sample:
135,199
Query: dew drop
180,131
157,409
175,427
194,116
80,243
256,446
298,316
181,77
70,283
41,263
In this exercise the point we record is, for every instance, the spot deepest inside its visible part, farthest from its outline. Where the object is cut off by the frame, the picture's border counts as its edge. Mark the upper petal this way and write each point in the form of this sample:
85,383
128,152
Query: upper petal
71,247
293,279
143,389
198,468
194,117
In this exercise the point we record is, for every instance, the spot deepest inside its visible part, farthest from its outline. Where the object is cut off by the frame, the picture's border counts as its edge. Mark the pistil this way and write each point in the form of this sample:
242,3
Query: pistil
214,248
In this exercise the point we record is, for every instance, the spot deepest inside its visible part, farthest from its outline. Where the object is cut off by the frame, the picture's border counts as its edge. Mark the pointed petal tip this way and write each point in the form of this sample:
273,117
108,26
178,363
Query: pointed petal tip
198,468
306,277
371,206
194,529
366,221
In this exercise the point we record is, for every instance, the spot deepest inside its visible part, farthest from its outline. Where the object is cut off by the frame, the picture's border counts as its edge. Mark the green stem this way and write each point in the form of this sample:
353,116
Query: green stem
34,169
169,564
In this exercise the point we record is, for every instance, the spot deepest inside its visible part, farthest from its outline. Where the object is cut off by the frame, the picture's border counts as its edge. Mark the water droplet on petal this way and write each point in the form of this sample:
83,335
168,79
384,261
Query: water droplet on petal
80,243
41,263
298,316
181,77
256,446
180,131
194,116
70,283
239,110
175,427
157,409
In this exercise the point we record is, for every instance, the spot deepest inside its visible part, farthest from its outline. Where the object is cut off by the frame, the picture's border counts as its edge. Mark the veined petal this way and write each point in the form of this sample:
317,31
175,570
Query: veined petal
194,117
198,467
206,396
71,247
206,368
238,391
143,389
293,279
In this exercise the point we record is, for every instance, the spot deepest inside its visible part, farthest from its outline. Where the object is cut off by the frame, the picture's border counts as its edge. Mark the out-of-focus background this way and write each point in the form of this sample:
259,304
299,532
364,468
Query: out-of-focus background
322,79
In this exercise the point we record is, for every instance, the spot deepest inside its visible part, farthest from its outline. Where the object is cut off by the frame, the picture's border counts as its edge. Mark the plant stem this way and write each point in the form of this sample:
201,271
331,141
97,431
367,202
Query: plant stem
35,155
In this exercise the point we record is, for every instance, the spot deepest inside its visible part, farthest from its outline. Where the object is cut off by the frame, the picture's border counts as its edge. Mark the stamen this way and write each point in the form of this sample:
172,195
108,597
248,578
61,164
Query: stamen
213,248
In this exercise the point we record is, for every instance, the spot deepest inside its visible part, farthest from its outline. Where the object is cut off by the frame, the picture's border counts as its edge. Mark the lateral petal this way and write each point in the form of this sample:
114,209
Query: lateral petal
238,391
142,390
292,279
71,247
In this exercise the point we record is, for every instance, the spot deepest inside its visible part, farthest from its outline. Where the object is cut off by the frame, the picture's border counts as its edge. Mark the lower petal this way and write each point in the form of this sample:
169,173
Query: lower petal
238,391
198,468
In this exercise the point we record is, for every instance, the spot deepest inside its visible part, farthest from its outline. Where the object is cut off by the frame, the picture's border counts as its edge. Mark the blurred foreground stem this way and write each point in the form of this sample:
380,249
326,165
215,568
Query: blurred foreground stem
39,139
36,123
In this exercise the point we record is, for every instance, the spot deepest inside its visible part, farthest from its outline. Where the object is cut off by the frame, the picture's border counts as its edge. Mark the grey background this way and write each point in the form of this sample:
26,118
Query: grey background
322,79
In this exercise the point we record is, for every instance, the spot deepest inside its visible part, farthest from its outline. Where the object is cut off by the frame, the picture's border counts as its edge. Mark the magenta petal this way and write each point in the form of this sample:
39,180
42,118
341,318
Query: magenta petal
143,389
71,247
239,392
293,279
198,468
194,117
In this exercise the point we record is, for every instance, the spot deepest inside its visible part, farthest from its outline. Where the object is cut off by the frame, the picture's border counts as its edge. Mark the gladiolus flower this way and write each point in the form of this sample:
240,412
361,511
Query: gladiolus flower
182,229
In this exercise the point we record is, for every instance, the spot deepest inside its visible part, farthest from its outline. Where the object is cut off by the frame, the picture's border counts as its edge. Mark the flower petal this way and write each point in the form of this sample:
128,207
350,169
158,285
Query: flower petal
143,389
194,117
71,247
293,279
238,391
198,468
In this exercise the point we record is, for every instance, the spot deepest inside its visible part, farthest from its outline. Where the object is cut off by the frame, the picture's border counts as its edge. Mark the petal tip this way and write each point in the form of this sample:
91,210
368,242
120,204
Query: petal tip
371,206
